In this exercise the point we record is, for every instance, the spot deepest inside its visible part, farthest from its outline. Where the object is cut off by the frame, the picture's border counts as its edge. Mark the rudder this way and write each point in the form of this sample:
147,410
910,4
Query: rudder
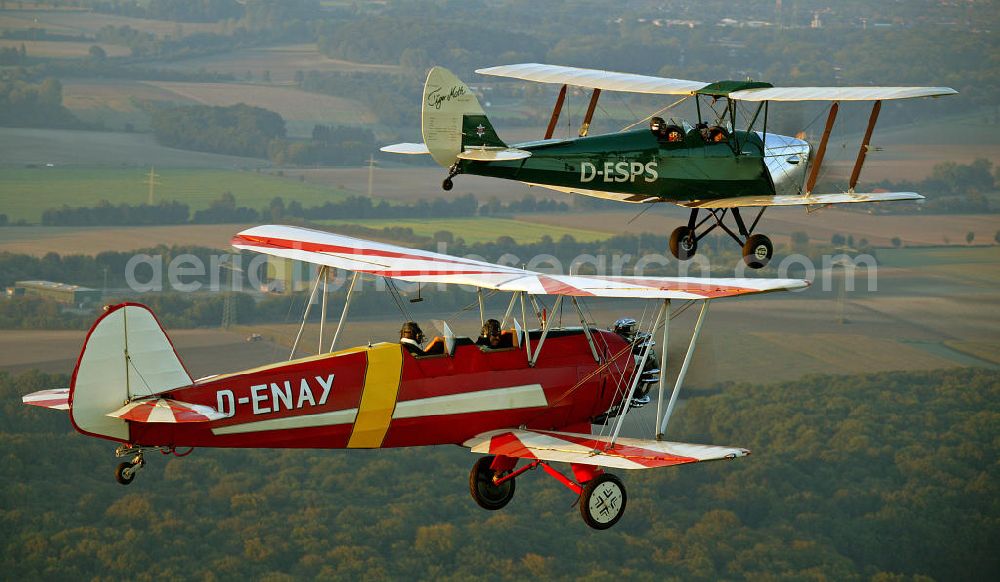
126,355
452,118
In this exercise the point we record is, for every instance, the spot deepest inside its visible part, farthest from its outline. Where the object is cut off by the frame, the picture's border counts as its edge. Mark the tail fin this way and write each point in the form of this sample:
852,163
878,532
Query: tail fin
452,119
127,355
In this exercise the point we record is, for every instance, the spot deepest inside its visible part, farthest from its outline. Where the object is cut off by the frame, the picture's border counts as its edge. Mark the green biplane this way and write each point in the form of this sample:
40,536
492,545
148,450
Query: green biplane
709,166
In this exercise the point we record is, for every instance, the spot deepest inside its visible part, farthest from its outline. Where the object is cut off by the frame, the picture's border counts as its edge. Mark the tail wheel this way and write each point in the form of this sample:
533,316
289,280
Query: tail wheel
757,251
447,185
124,473
487,494
603,500
683,244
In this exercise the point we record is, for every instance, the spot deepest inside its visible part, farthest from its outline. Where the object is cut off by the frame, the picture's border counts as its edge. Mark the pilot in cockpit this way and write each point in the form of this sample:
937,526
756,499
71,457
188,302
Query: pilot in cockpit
411,337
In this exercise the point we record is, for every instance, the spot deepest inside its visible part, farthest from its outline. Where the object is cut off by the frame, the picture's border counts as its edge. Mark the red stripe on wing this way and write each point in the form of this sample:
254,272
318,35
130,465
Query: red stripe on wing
644,457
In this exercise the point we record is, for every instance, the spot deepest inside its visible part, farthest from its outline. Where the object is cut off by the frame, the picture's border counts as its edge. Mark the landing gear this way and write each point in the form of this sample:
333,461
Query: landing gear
602,495
602,501
757,248
483,487
757,251
126,471
453,171
683,243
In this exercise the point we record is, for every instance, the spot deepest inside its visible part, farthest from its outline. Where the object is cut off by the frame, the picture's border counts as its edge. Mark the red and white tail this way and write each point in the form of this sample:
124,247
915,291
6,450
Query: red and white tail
126,356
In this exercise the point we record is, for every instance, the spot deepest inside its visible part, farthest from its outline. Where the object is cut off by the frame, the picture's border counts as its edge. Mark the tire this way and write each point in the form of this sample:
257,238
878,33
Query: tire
683,245
757,251
121,476
602,502
447,185
487,495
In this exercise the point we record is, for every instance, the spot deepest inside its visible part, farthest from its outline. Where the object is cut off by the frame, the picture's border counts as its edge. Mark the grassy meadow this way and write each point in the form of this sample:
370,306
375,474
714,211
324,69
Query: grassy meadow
27,192
480,229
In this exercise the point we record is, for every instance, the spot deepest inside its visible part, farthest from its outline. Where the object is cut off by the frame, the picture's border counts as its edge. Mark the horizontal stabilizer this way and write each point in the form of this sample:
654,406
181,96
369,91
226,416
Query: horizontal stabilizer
56,398
494,155
166,410
802,200
585,449
412,149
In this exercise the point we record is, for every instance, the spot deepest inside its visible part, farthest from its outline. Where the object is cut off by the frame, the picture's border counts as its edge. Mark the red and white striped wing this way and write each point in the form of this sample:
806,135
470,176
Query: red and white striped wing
167,411
414,265
585,449
56,398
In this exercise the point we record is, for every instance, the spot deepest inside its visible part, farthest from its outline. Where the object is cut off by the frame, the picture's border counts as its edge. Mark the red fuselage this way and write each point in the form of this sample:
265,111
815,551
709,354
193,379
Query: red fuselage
384,396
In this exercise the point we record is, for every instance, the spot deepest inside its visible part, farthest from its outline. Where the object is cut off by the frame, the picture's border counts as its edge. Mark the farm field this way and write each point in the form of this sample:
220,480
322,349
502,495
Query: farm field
74,21
280,61
63,49
479,229
300,109
92,240
94,150
27,192
115,103
779,223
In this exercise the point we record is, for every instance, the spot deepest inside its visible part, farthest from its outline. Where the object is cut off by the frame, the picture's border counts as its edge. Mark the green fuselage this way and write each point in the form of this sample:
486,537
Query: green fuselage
636,165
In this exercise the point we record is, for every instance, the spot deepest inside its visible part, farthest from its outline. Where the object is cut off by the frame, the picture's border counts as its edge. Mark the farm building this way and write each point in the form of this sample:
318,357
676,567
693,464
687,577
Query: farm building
61,292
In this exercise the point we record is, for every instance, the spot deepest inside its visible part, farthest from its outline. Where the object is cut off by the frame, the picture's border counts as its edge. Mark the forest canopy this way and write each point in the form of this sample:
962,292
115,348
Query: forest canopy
866,477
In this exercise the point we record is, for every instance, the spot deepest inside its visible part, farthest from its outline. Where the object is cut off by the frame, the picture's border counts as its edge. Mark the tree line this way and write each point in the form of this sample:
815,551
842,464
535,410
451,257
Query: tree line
872,477
243,130
952,188
26,104
225,210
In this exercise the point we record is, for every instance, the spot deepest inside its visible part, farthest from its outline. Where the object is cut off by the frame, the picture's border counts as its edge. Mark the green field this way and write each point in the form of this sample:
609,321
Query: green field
476,230
27,192
935,256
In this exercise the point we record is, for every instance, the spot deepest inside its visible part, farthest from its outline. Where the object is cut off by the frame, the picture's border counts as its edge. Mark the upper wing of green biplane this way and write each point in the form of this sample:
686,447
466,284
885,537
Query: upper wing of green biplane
594,79
631,83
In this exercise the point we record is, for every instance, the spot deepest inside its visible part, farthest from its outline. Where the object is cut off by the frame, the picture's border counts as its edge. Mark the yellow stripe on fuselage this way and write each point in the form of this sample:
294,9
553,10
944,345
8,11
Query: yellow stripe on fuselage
378,397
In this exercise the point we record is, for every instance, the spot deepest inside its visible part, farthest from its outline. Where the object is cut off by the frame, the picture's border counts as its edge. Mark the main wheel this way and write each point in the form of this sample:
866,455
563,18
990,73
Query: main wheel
602,502
124,473
757,251
447,184
484,491
683,244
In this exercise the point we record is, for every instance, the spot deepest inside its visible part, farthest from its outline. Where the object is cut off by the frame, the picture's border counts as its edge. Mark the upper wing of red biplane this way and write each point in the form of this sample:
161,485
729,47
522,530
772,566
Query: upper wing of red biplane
414,265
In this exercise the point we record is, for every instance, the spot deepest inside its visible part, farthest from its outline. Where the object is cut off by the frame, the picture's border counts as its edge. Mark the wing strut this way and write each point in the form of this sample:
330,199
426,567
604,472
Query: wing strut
343,314
660,317
590,112
856,173
663,367
821,152
684,369
551,129
312,297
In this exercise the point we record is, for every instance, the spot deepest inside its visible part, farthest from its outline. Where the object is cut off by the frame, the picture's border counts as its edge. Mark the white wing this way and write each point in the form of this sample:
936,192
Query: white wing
594,79
414,265
839,93
802,200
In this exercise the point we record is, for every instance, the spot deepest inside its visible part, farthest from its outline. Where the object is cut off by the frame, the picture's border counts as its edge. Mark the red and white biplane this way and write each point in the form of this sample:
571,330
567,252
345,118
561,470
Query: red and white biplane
537,399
